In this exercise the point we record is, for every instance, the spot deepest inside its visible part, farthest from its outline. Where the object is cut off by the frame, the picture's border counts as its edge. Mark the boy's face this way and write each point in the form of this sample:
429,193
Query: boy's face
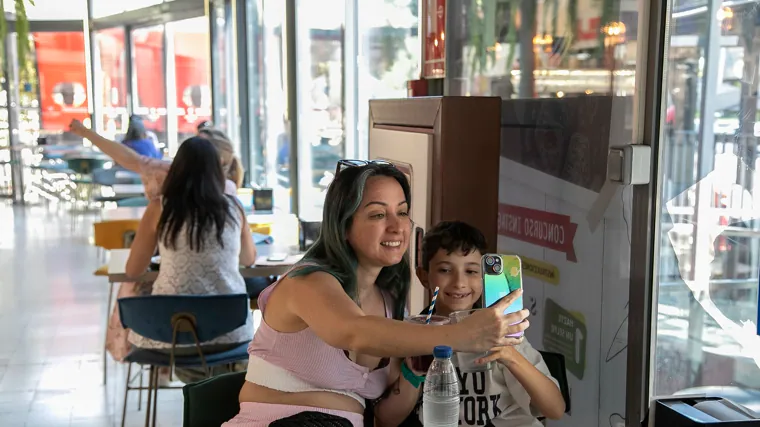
459,278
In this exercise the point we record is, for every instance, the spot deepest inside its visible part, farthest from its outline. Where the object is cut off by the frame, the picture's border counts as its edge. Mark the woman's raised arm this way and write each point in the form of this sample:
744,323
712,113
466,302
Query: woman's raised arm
320,302
120,153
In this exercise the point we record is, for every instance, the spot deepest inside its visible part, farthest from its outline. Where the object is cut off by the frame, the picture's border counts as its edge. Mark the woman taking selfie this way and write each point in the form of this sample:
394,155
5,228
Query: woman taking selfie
331,324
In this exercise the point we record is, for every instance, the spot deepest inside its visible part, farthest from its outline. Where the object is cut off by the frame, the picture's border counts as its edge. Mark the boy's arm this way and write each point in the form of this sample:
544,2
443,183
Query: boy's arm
544,393
400,402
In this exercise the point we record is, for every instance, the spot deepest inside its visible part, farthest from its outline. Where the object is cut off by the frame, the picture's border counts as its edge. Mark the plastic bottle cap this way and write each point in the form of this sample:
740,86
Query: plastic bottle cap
442,352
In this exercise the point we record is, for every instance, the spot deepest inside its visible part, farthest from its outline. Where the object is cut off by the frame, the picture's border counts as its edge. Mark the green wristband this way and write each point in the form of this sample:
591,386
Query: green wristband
414,379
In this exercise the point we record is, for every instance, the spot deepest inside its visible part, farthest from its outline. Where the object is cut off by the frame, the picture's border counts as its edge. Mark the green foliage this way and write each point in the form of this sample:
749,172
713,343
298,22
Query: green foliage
23,43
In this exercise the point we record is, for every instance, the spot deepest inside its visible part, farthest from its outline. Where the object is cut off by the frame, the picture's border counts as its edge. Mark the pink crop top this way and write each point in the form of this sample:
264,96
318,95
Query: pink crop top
312,360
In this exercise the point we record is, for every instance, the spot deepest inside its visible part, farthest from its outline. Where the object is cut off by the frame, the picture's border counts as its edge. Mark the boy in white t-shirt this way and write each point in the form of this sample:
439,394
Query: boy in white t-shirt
517,390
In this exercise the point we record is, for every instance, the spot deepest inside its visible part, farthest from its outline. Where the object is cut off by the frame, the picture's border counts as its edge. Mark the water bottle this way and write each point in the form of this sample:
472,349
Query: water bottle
440,398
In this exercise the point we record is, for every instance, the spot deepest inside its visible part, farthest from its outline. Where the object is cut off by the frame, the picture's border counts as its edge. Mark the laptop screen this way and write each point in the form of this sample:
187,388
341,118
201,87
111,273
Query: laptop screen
263,200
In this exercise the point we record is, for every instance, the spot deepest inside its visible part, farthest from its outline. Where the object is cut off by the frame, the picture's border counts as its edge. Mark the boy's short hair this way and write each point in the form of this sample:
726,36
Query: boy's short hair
451,236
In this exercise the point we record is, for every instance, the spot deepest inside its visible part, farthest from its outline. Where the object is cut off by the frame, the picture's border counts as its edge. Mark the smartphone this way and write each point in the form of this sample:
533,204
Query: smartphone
502,275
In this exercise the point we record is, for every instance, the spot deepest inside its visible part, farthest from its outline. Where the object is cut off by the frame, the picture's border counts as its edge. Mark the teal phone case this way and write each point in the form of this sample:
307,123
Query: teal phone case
502,275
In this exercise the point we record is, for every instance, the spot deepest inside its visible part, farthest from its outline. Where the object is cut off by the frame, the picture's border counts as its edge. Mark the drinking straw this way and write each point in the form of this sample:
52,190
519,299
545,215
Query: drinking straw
432,306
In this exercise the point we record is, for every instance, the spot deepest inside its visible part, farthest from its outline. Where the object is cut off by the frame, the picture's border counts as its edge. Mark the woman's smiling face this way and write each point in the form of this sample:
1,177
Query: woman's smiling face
380,228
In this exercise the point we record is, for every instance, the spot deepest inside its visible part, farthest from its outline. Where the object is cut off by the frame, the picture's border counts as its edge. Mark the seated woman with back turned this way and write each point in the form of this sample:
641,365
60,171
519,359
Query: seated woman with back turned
331,324
203,237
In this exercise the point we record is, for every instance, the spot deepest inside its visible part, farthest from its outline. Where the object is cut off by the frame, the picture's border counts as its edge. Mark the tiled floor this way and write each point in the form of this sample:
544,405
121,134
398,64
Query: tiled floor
52,326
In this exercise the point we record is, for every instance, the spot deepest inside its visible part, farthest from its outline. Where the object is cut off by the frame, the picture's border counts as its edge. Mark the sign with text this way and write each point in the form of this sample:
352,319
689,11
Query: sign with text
540,270
547,229
565,333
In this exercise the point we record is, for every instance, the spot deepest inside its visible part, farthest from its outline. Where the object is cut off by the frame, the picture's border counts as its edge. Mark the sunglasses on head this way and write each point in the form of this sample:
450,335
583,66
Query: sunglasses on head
343,164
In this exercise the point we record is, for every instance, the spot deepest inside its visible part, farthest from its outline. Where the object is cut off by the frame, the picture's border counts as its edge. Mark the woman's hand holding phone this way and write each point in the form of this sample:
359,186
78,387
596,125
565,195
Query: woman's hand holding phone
488,328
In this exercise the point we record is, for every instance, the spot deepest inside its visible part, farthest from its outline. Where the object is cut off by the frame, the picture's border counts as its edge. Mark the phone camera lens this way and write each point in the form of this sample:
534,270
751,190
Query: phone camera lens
489,260
497,268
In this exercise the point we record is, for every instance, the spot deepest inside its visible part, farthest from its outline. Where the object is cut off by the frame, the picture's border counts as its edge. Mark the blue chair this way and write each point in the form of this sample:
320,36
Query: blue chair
180,319
132,202
124,176
105,177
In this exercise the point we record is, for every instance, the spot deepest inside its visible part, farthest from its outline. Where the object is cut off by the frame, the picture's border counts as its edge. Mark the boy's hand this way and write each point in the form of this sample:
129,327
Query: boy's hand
504,355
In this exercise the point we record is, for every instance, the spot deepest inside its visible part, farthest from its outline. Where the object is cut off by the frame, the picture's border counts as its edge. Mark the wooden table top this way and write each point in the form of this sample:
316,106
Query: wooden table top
263,268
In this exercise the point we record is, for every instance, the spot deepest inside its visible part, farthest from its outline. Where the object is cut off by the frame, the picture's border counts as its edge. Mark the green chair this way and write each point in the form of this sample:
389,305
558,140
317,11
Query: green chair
86,165
213,401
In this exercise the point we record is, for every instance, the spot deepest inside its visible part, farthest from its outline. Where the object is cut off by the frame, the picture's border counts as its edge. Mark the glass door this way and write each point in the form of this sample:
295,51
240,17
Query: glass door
705,335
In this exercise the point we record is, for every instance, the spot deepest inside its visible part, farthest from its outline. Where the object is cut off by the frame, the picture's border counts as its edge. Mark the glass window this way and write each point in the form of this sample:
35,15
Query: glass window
61,85
319,77
565,71
111,83
389,54
492,50
149,82
192,65
271,147
707,283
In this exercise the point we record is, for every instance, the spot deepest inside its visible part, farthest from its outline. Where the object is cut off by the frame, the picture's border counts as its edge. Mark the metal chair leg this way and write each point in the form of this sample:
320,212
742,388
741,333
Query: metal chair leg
150,394
105,340
155,398
126,391
139,392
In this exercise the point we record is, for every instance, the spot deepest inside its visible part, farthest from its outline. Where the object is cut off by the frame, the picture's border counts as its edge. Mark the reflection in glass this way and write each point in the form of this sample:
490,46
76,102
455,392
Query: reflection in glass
192,64
149,82
710,235
574,48
319,77
389,54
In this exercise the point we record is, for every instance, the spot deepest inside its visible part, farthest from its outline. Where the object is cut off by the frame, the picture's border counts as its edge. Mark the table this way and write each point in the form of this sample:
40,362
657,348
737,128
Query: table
122,213
263,268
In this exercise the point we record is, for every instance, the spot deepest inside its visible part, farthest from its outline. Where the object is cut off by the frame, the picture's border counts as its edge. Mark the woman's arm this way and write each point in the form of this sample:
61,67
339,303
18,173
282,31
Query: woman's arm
120,153
400,402
544,394
320,302
144,245
247,247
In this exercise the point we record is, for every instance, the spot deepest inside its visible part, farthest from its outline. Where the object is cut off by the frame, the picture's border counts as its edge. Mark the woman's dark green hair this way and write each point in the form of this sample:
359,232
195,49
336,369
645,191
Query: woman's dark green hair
331,252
